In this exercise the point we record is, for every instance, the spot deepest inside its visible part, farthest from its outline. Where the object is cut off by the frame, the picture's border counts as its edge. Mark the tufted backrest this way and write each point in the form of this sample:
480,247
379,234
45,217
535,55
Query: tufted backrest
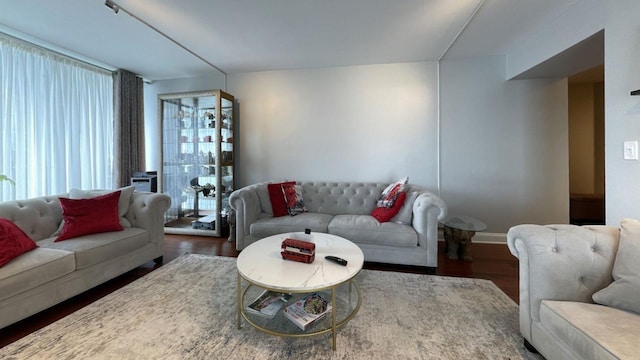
337,198
334,198
38,217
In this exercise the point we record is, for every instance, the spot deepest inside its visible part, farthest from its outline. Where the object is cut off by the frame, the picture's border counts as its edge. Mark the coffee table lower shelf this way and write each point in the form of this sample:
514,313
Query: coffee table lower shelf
345,299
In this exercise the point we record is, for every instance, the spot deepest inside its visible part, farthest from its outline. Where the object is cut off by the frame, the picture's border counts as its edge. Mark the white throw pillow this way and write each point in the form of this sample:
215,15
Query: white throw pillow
624,292
123,203
391,192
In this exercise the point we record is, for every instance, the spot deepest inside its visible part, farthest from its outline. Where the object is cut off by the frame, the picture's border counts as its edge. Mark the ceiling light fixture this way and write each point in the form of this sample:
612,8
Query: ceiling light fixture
115,7
112,6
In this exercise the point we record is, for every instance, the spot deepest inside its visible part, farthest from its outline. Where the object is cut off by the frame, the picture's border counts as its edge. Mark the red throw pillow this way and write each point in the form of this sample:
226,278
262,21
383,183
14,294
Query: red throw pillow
384,214
89,216
278,204
13,241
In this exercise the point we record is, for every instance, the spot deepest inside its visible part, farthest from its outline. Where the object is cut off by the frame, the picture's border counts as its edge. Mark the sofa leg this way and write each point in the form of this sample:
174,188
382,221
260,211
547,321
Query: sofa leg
158,260
431,270
530,347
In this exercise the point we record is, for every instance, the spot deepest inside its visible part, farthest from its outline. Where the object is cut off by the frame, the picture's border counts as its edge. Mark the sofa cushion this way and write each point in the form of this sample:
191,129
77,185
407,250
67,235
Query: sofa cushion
367,230
592,331
624,292
267,226
13,241
34,268
390,193
96,248
293,199
384,214
405,215
89,216
277,199
123,202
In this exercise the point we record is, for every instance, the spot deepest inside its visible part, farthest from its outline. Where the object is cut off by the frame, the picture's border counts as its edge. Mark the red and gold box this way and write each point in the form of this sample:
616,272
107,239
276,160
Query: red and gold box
298,250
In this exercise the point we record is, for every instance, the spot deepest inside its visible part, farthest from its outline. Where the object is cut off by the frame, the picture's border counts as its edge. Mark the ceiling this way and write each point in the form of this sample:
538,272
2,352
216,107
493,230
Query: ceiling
259,35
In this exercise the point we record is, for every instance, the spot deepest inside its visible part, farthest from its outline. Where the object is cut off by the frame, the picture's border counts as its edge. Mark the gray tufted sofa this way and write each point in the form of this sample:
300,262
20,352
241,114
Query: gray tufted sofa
56,271
343,209
561,267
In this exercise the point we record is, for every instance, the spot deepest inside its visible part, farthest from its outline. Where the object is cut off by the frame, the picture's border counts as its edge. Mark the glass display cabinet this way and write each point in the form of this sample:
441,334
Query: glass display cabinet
197,160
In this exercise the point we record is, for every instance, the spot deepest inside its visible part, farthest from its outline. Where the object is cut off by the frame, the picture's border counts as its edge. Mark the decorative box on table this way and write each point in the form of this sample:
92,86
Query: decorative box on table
298,250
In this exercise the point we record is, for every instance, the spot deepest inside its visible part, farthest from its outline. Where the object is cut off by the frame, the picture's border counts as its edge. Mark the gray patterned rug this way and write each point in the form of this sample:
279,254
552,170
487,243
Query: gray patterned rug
187,310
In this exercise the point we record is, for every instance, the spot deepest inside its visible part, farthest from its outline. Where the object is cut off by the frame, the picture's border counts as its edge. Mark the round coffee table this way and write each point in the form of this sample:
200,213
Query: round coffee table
262,267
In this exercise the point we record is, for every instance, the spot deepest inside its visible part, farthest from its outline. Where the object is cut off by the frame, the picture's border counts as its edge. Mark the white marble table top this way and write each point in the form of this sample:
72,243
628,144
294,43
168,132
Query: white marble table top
262,264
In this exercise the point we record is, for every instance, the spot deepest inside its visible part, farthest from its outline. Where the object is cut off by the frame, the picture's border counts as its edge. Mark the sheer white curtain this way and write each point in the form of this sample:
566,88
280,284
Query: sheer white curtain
56,125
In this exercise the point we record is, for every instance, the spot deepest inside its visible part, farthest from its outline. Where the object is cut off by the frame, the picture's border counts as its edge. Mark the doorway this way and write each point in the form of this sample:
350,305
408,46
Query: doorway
586,147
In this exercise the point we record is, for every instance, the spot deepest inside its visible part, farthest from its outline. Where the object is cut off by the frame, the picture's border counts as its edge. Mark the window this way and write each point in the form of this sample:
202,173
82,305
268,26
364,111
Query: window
56,122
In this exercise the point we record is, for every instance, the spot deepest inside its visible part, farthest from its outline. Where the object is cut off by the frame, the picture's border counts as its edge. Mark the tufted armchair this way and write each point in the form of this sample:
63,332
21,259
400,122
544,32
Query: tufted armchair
343,209
561,267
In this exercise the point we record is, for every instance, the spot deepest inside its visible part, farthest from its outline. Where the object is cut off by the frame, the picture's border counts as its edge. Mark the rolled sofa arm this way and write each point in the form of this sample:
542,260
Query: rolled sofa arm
560,262
246,203
146,211
428,210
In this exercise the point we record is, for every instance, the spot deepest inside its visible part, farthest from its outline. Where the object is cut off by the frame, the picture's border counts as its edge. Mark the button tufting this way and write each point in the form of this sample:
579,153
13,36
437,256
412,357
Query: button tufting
554,249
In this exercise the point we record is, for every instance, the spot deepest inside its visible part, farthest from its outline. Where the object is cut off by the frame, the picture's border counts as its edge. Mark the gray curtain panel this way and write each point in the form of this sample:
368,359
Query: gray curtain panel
129,126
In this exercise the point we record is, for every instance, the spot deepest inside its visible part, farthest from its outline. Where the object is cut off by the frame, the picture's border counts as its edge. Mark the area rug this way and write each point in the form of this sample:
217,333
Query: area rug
186,309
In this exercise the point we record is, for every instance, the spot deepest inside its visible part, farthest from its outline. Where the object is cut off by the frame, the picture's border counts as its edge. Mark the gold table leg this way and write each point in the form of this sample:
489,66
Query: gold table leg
334,315
239,301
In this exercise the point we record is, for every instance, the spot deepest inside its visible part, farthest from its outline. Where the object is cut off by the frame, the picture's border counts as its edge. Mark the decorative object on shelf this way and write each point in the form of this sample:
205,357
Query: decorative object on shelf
204,189
227,156
308,311
268,303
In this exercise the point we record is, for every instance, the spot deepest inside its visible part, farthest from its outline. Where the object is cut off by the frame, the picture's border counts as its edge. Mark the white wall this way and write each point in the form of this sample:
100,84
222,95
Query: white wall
622,111
503,144
504,147
373,123
622,75
500,139
152,135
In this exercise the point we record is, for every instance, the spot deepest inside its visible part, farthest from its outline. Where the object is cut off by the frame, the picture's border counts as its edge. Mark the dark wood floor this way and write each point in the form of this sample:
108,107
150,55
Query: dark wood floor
490,261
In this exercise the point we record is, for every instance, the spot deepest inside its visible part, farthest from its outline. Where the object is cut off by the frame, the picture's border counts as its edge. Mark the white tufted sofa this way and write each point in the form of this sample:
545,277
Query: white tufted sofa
561,267
343,209
56,271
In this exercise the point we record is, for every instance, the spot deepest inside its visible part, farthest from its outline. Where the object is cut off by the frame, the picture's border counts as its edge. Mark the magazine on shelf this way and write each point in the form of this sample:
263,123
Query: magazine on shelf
308,310
268,303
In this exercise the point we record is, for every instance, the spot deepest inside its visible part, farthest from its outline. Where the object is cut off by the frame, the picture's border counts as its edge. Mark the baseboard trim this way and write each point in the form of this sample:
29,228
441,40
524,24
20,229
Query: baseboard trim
490,238
484,238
